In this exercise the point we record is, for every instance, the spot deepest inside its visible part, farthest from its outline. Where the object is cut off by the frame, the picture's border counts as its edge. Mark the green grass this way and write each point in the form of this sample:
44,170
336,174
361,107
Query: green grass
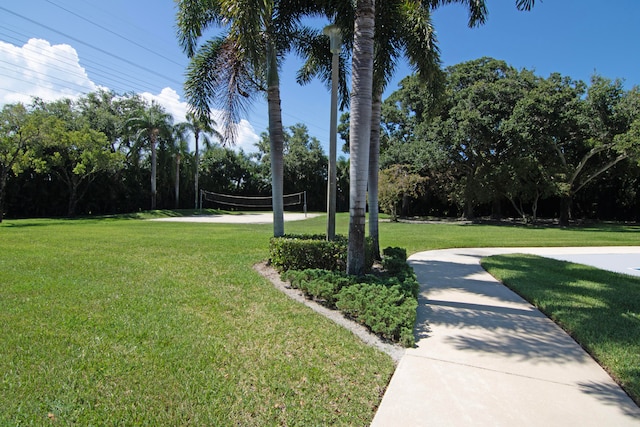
135,322
599,309
121,321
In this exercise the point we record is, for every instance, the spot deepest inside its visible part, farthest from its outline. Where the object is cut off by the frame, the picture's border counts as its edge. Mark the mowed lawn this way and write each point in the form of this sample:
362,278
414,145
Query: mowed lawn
124,321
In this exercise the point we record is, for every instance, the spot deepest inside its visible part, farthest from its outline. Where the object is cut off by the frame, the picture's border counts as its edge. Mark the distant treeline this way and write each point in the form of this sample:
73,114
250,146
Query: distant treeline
480,139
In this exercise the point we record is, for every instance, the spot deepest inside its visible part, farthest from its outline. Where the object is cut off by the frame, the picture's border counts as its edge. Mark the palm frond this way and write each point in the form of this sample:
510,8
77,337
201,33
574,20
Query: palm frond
477,9
193,17
218,76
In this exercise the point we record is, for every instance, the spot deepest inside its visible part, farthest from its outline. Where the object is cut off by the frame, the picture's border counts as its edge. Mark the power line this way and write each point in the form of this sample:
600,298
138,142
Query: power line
92,46
114,33
96,68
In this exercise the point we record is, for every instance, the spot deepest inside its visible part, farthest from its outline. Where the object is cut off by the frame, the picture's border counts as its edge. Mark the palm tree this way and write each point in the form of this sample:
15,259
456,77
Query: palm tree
360,132
200,128
180,147
151,124
362,98
403,25
228,70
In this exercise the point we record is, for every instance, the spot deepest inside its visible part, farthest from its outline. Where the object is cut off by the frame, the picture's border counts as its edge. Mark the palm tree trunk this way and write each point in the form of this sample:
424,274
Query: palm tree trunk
360,132
177,183
196,135
374,166
276,138
154,167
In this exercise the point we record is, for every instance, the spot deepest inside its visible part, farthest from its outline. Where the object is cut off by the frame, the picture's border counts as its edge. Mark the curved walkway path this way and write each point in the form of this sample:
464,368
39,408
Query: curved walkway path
486,357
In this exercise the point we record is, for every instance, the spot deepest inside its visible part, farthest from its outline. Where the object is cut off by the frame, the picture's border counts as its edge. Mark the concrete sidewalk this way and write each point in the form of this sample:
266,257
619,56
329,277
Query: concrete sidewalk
486,357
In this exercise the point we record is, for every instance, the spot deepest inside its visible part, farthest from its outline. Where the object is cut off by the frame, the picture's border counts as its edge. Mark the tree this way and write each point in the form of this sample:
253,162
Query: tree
396,184
229,69
305,163
180,149
200,128
400,26
18,131
152,123
70,149
577,139
360,132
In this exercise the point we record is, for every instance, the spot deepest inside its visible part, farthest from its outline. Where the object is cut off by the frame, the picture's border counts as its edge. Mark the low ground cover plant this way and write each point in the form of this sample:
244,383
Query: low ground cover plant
385,303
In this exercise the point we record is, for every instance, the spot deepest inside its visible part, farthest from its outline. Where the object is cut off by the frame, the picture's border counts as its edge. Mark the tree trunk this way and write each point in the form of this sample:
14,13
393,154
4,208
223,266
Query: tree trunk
196,136
565,210
73,197
177,183
360,132
276,139
374,169
154,167
3,185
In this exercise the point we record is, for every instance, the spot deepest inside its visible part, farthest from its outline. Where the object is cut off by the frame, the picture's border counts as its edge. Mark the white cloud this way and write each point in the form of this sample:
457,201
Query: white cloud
39,69
50,72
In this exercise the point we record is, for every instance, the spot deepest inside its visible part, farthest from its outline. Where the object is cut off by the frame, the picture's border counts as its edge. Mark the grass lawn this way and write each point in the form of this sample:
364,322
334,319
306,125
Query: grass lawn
600,309
122,321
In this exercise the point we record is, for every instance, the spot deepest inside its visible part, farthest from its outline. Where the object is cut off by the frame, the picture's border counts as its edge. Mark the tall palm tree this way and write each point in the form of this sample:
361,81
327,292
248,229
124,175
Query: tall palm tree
228,70
200,128
402,26
362,98
360,132
180,147
152,123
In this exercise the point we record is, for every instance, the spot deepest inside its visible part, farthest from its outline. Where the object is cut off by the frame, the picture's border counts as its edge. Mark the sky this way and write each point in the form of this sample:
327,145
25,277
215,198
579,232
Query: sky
66,48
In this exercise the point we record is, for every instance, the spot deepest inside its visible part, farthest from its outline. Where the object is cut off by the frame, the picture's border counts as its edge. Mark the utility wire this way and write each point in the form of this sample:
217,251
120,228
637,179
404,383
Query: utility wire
114,33
92,47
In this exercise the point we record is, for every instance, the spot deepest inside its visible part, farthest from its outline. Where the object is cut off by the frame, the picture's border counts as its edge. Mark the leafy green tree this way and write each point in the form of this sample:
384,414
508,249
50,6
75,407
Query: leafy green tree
305,163
397,183
18,132
151,124
228,172
577,139
71,150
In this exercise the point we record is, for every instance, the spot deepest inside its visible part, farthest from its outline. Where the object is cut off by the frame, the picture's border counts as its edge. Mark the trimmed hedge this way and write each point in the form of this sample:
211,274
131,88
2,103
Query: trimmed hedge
385,304
303,251
386,310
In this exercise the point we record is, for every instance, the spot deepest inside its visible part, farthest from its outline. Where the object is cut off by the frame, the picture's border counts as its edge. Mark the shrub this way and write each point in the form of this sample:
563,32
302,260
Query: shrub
386,310
303,251
300,252
322,285
386,305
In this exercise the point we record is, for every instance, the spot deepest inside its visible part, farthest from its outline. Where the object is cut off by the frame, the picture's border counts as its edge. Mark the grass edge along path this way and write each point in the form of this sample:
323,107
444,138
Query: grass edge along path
599,309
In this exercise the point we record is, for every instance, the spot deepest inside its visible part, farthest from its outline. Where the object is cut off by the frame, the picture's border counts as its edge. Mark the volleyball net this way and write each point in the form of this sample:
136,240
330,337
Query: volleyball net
253,202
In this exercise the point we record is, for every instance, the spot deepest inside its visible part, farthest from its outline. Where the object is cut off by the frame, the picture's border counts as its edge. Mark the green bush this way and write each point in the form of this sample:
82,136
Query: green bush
386,310
322,285
385,304
303,251
394,261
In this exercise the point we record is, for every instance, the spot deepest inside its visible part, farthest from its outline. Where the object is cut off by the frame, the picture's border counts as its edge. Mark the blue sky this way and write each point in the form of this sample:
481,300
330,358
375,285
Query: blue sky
55,48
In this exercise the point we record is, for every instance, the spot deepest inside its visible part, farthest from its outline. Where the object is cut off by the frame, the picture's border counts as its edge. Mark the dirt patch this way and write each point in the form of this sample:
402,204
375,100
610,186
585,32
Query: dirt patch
395,351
